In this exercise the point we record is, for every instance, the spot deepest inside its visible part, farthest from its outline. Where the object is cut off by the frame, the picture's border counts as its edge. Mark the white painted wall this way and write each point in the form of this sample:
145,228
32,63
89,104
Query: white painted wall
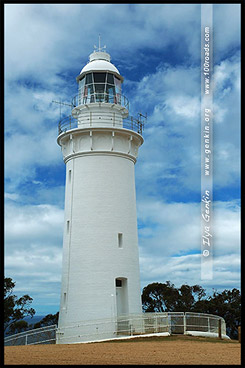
100,203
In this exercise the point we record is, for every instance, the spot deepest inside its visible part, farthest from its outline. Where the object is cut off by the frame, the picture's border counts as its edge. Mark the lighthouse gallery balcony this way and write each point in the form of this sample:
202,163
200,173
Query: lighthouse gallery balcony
131,123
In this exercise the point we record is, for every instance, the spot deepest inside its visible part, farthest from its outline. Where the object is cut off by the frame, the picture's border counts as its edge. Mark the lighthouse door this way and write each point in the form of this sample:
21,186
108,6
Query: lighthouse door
121,296
122,306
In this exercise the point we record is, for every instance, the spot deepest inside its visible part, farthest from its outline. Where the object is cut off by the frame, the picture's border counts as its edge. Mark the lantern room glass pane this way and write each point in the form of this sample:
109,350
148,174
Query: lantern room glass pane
89,78
110,92
117,84
81,90
81,83
90,88
110,79
88,93
118,90
99,90
99,77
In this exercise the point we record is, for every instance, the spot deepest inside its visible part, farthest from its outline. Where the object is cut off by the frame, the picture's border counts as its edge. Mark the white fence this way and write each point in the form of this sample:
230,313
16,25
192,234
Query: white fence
43,335
146,323
166,323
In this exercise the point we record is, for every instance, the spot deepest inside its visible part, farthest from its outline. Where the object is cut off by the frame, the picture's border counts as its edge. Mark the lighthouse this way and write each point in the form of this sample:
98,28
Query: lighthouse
100,269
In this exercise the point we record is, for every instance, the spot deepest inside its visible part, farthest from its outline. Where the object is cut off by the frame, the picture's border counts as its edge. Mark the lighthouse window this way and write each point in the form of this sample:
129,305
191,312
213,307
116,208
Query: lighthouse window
89,78
99,88
88,93
110,78
81,90
110,93
64,301
120,242
90,88
99,77
81,83
118,283
117,84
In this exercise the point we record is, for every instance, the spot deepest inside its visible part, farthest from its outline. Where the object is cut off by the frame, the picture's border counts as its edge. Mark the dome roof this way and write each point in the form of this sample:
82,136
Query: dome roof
99,61
99,65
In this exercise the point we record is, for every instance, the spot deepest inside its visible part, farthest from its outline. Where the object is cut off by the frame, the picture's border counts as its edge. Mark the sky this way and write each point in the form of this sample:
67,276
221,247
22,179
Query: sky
157,49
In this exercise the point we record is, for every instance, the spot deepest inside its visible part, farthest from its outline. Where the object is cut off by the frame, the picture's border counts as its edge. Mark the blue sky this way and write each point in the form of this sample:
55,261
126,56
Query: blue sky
157,50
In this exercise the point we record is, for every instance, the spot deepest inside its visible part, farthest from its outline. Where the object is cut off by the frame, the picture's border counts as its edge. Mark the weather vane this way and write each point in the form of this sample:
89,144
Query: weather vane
99,48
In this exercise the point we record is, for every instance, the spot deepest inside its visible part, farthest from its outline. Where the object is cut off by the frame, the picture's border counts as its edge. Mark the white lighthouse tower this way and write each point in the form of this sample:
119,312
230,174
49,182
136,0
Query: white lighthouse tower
100,274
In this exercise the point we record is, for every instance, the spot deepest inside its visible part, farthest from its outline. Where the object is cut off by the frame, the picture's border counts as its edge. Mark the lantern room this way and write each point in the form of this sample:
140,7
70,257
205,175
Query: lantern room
99,81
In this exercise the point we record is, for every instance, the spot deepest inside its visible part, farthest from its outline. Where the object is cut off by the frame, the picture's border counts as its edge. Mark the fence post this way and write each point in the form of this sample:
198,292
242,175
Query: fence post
169,324
184,320
239,333
26,340
156,325
220,333
208,324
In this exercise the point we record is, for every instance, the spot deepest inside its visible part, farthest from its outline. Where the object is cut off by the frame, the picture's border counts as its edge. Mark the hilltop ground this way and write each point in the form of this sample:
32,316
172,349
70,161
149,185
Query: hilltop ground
157,350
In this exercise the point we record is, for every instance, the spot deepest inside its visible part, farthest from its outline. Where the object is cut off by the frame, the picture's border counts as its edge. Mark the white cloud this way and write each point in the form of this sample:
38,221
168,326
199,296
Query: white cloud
36,35
172,133
35,39
176,227
186,107
33,252
227,228
12,196
227,28
227,122
36,269
169,232
187,269
173,130
24,152
32,226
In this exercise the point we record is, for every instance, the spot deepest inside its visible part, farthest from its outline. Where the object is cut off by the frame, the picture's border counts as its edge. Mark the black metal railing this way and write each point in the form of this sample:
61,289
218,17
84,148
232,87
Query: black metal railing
68,123
104,97
131,123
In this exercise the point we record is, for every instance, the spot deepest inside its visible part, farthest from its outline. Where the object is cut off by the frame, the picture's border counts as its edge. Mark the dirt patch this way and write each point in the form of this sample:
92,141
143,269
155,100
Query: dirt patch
167,350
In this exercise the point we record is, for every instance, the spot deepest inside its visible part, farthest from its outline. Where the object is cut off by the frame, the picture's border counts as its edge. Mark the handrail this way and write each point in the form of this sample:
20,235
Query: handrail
30,332
118,98
143,323
69,123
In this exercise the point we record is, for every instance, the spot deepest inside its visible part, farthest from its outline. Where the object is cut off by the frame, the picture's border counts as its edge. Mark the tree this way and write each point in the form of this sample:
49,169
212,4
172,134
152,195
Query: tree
50,319
18,326
158,297
188,296
15,309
